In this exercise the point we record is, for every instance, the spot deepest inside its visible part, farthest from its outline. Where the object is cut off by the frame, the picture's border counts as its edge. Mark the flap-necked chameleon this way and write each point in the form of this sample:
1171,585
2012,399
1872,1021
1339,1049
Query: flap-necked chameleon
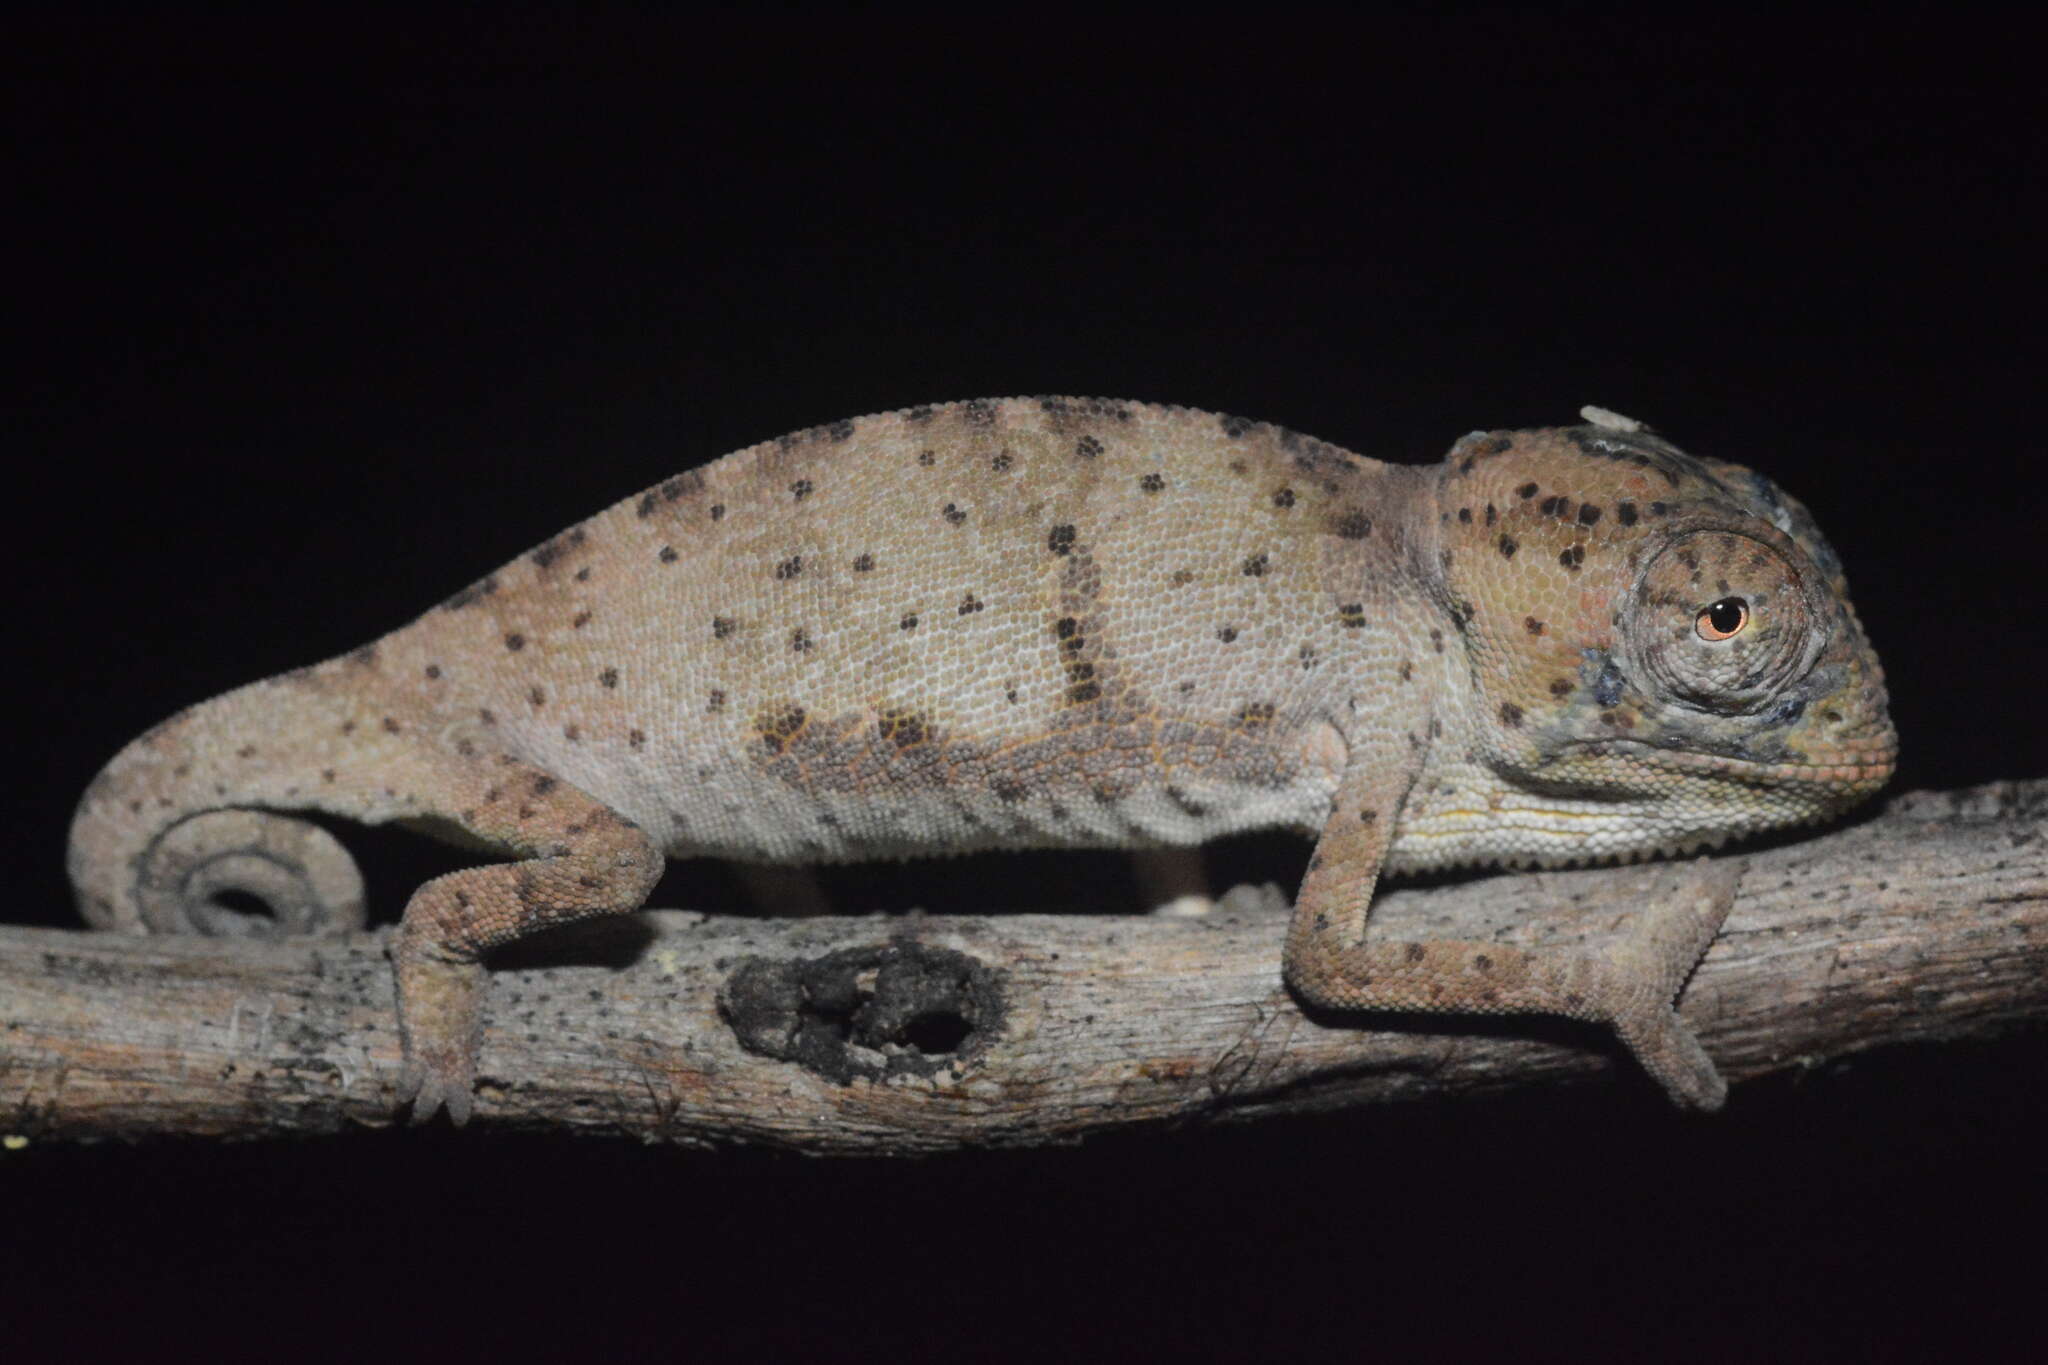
1039,622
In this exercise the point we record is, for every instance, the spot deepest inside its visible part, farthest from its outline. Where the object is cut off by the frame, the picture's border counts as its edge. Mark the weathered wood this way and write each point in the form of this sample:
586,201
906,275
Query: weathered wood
1928,920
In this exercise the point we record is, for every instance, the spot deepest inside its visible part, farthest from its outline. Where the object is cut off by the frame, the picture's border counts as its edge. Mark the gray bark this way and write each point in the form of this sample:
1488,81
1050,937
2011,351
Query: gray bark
1927,920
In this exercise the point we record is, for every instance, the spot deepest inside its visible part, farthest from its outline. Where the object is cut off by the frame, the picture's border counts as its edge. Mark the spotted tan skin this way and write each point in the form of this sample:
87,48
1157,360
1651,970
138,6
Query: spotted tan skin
1059,622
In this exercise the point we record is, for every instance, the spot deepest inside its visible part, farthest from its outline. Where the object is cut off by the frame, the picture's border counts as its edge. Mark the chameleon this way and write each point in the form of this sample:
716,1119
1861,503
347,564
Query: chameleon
1059,622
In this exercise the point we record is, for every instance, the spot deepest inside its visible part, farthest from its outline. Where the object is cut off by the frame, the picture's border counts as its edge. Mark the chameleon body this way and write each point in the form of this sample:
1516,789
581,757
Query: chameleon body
1048,622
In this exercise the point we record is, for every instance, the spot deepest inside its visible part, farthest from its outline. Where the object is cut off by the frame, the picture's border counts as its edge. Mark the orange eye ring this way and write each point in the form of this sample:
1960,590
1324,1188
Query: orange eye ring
1722,620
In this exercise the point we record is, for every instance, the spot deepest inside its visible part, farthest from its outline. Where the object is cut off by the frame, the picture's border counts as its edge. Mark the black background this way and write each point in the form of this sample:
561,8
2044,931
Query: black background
311,325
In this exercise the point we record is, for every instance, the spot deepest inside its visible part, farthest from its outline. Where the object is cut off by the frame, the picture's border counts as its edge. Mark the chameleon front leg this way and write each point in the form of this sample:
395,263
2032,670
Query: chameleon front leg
1329,962
579,859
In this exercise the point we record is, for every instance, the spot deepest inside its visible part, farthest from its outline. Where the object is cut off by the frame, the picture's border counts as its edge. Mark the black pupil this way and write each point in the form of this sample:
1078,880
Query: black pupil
1725,615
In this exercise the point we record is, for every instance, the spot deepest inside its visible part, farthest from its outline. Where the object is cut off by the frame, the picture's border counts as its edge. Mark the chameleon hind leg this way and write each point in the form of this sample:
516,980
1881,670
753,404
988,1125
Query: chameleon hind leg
577,858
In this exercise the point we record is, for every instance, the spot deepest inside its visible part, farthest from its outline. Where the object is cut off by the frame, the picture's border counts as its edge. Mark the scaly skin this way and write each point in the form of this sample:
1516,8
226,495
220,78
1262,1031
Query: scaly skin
1060,622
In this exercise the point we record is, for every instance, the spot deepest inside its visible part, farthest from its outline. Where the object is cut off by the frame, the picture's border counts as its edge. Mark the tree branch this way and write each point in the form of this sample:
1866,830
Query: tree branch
922,1033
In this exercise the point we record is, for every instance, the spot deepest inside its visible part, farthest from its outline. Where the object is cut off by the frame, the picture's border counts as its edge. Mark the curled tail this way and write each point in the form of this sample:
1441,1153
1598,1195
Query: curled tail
179,833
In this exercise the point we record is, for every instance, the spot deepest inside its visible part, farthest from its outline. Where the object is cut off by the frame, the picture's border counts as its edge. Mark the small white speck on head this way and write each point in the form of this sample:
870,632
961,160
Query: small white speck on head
1612,421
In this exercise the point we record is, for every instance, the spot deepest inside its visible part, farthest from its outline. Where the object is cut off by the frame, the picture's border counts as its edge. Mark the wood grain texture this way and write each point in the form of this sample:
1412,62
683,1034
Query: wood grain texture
1926,920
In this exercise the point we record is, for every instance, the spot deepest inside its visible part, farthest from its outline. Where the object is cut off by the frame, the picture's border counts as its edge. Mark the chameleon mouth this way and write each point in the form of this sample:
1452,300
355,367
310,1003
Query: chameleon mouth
1849,769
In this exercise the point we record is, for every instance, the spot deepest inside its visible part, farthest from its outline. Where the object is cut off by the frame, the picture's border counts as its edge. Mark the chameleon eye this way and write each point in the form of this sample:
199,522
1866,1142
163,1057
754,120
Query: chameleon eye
1722,619
1732,653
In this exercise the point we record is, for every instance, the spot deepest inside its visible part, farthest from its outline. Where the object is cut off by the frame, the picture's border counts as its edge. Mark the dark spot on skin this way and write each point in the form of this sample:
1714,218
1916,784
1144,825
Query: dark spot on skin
647,505
1407,670
1491,515
537,695
1009,790
800,490
1607,688
1588,514
1000,461
1511,715
953,514
636,739
1227,634
1560,687
487,716
515,642
327,774
668,554
572,734
1436,640
1526,491
779,726
840,430
1061,540
543,784
1549,505
1283,498
581,620
979,412
433,670
1791,709
556,548
1234,427
1351,615
1239,468
863,563
1082,693
1368,816
1465,515
583,574
1152,483
716,701
722,626
1508,546
800,641
1572,557
1087,447
927,458
1255,565
1180,578
390,726
1658,509
717,511
792,567
1255,715
1352,525
363,657
246,751
969,605
904,729
908,623
1625,513
1532,625
918,414
1414,952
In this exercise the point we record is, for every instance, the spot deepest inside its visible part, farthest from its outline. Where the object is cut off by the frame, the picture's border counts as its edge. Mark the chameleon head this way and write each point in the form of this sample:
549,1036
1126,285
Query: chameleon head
1662,652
